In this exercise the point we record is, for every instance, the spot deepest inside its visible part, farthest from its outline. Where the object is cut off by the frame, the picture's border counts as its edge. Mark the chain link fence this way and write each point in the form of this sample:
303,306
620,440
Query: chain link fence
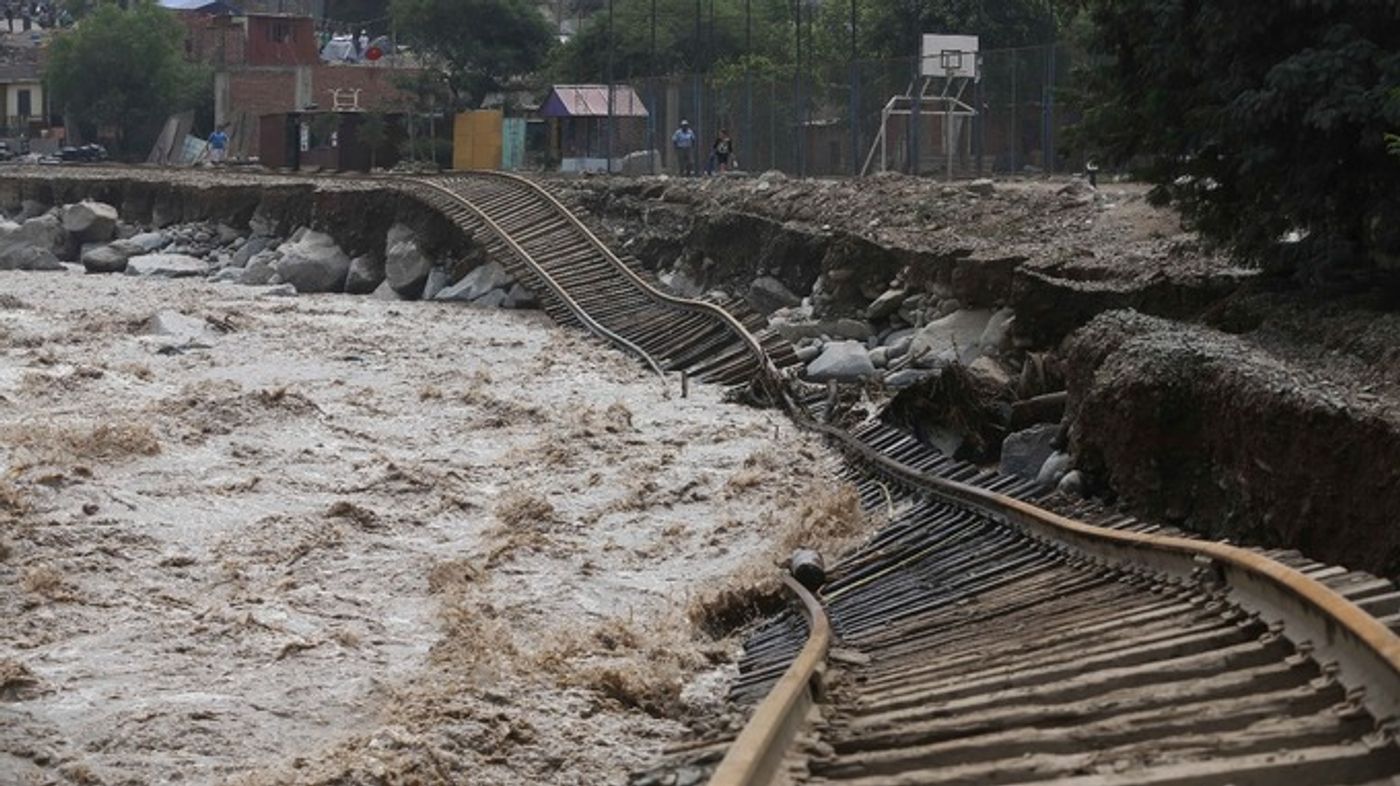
868,117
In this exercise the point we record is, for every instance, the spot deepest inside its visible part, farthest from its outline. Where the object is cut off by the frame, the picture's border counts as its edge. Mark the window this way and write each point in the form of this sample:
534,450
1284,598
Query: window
281,32
23,103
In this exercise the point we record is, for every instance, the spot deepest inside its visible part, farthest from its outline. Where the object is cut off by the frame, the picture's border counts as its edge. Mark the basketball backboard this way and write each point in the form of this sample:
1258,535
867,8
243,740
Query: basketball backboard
949,56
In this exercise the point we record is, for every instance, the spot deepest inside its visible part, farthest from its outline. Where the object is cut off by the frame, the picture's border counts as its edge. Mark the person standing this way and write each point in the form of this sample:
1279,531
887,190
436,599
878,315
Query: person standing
684,142
218,145
723,149
10,16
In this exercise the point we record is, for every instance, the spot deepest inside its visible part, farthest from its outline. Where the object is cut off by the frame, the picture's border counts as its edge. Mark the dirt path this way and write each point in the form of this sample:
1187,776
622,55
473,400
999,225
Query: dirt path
328,539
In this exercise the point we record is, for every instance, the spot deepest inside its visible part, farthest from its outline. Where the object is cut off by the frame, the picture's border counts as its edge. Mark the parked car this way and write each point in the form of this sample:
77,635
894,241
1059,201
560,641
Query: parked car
86,153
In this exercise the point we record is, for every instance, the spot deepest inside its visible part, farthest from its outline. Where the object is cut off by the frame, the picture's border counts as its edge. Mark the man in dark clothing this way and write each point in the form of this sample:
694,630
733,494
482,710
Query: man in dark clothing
10,16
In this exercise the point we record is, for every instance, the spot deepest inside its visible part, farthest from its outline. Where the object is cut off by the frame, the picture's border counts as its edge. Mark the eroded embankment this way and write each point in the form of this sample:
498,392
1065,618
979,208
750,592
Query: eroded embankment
964,302
358,214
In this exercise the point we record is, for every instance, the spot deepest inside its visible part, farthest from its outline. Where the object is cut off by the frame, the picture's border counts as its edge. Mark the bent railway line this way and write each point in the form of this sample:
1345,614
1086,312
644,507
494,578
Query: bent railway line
982,639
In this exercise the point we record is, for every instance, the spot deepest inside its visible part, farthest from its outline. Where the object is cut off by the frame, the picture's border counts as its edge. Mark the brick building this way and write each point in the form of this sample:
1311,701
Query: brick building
266,60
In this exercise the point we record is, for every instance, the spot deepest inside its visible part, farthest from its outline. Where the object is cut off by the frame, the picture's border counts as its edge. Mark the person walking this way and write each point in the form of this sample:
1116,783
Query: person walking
722,150
684,142
218,145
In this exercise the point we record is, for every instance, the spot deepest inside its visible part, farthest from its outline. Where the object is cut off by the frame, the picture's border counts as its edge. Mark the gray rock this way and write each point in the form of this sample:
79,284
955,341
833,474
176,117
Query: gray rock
990,371
955,336
1072,484
181,327
912,309
519,297
907,377
493,299
886,304
680,283
855,329
90,222
406,267
385,292
982,187
30,208
255,245
279,290
313,263
1025,452
259,270
481,280
879,357
45,232
996,339
165,266
1054,468
227,234
843,361
366,274
23,256
437,281
151,242
229,275
768,294
127,231
898,342
110,258
808,352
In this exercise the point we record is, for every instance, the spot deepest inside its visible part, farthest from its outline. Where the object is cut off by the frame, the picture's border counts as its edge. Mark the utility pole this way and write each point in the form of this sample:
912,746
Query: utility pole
651,110
748,75
915,89
699,76
855,98
611,93
797,88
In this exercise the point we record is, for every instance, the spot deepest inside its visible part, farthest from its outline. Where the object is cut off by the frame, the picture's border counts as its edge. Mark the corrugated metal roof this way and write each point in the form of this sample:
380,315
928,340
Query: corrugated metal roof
592,101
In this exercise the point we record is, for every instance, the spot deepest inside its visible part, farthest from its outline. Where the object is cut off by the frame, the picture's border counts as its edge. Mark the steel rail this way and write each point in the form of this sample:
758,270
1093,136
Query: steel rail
1320,621
1334,627
765,363
758,752
578,311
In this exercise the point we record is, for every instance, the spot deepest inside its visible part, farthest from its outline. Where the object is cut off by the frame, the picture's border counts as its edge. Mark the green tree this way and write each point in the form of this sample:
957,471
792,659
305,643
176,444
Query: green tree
1261,120
120,73
480,42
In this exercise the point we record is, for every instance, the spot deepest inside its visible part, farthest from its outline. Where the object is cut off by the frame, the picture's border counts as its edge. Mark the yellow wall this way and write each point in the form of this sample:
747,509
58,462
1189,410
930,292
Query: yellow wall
36,99
476,140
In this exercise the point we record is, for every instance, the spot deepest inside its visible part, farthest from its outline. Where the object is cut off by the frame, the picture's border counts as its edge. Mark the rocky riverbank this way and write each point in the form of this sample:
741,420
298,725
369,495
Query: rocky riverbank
1063,333
286,235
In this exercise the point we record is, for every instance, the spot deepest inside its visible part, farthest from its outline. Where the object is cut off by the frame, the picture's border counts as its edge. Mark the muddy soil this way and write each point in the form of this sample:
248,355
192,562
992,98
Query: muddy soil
330,539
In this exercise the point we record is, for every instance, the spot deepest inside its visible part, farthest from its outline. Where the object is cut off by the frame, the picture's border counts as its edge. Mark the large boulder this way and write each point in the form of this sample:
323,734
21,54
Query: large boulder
843,361
313,263
166,266
150,242
111,258
255,245
406,267
481,280
259,270
1024,453
438,280
90,222
768,294
45,232
22,256
886,304
954,337
366,274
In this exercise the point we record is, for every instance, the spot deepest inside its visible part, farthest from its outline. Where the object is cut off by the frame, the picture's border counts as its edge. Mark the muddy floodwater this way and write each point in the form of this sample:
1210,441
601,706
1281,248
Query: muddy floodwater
328,539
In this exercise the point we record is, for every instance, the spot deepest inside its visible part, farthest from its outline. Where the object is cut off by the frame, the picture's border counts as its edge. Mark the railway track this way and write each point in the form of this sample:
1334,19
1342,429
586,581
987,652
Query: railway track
981,639
582,282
